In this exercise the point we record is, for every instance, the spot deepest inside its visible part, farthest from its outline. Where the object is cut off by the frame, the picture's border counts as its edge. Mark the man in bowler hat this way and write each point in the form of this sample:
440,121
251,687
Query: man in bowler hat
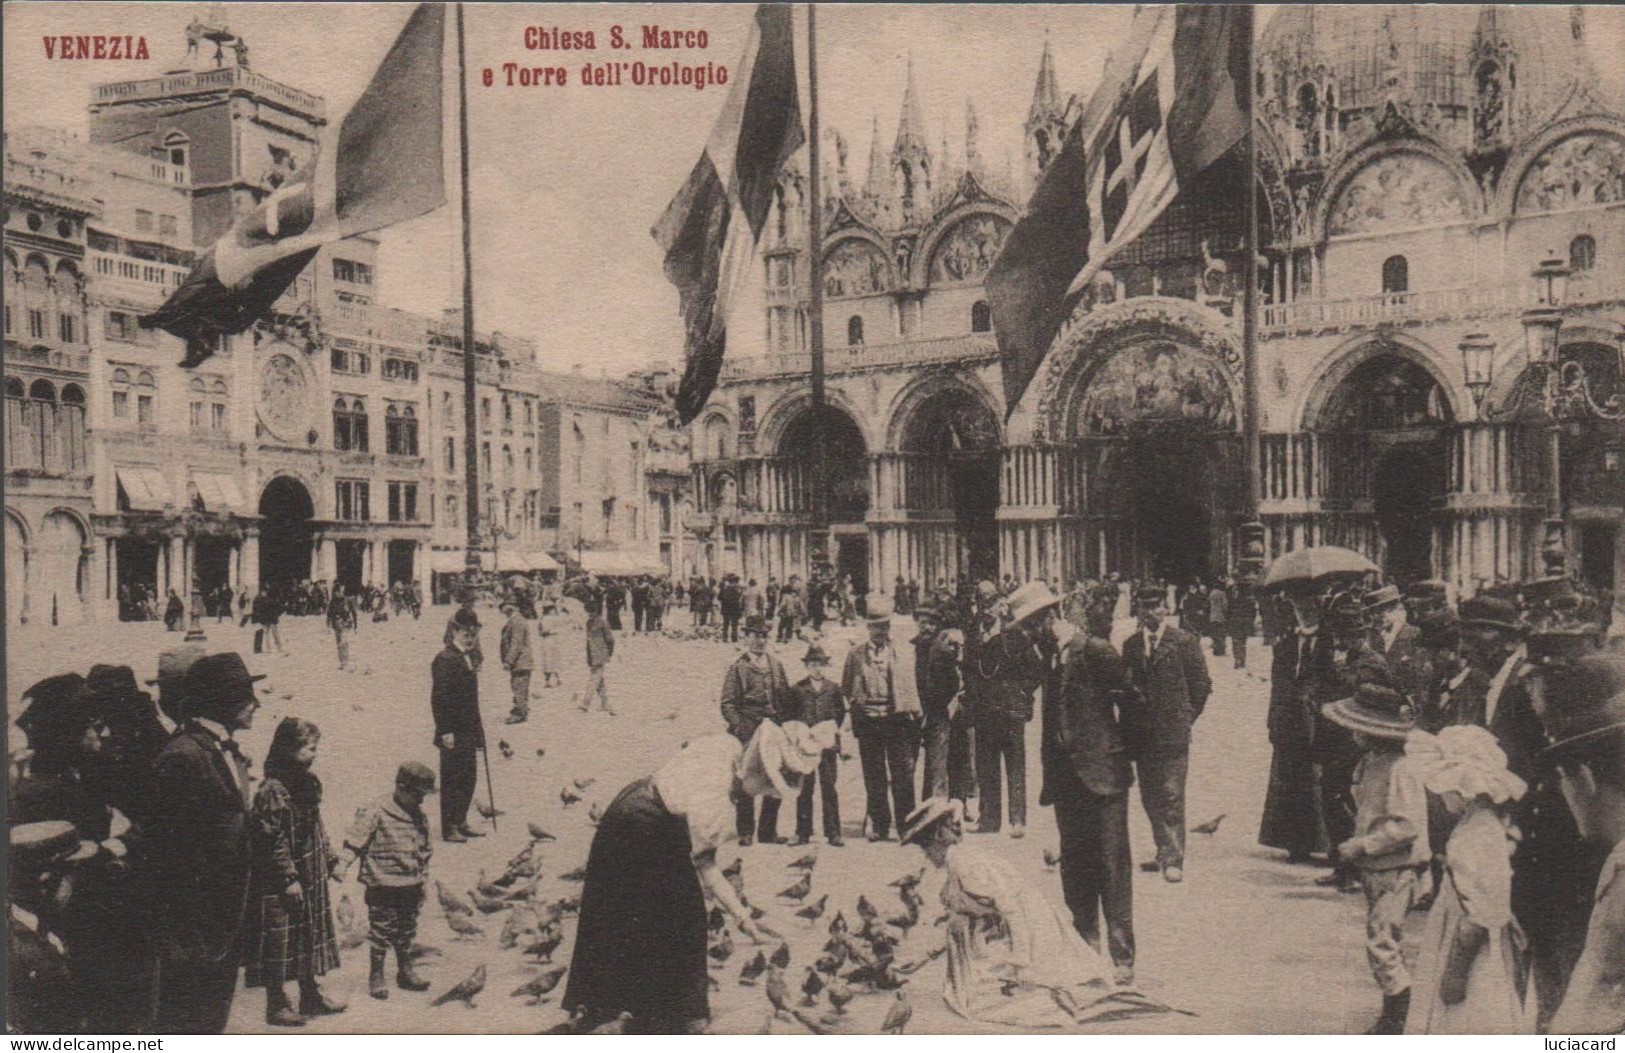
200,848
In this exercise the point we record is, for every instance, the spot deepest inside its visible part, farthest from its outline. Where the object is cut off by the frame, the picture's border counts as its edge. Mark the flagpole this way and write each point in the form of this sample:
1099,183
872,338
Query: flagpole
471,464
1250,534
819,540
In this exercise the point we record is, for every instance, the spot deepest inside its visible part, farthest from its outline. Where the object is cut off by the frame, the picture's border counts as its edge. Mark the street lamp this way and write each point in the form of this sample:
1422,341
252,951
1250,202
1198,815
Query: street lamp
1560,390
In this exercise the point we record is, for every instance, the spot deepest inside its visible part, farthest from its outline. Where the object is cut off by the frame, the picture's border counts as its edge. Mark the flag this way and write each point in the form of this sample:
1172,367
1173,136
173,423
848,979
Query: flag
709,230
1170,103
384,166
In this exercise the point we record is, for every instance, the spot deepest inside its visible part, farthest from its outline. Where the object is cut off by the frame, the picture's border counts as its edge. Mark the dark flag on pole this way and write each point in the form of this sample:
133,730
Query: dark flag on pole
1172,102
384,167
709,230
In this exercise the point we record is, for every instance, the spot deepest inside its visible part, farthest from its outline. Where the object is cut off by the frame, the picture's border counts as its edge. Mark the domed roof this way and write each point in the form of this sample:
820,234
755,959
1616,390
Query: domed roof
1428,52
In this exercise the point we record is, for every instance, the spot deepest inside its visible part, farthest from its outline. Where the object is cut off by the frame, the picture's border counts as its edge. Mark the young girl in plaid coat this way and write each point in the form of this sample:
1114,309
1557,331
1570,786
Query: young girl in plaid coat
290,916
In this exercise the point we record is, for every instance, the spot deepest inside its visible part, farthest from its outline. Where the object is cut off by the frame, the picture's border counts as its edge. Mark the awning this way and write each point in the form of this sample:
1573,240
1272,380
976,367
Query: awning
453,561
618,564
146,488
218,491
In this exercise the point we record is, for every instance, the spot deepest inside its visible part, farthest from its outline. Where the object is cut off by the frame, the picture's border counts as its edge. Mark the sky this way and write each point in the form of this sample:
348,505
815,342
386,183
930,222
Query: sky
568,181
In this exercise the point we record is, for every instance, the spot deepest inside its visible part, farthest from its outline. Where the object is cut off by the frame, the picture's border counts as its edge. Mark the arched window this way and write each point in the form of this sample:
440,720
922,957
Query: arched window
1489,105
42,391
14,388
121,394
1396,275
219,400
349,425
175,144
1309,121
854,330
1582,253
981,317
197,408
71,427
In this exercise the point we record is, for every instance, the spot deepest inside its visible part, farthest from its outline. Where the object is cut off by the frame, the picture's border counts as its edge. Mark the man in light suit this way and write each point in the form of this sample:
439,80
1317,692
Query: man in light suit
1169,674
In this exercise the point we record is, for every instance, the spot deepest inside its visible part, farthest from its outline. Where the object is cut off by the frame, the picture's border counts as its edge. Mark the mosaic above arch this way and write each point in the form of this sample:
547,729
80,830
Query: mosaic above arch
1396,192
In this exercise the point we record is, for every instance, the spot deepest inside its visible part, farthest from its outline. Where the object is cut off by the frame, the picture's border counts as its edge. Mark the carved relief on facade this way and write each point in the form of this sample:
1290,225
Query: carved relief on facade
967,251
854,268
1396,192
1582,170
284,397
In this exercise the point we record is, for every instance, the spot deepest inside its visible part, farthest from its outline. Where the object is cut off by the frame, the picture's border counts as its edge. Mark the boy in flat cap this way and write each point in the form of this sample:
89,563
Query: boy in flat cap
814,700
390,837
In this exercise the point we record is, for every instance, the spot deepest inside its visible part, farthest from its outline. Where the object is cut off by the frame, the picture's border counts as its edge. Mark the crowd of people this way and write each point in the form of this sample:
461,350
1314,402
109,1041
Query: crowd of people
1465,759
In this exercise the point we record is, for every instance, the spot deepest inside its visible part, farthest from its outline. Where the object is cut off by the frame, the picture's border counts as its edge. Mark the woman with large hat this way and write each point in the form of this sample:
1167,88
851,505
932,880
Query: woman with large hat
641,944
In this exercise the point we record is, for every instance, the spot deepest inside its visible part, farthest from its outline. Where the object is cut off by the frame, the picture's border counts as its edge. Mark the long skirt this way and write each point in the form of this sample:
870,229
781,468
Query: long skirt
640,946
1293,819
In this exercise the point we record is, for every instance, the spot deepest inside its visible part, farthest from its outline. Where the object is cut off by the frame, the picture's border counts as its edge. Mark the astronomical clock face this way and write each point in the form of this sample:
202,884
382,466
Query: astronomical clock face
284,397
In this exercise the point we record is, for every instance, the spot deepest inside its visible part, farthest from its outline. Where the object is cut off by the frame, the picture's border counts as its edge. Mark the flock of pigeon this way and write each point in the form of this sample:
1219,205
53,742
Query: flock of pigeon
854,961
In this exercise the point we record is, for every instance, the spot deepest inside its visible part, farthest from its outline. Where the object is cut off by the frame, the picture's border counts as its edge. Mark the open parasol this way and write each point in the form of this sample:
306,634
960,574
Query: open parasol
1318,564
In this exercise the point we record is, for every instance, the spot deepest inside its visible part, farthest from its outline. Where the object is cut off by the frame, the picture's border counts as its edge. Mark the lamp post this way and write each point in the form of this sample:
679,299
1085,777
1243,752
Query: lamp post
1562,390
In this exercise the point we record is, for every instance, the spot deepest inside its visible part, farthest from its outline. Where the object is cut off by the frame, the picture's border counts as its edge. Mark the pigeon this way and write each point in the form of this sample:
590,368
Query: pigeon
814,912
539,987
568,905
541,751
543,948
487,904
571,1026
781,956
898,1015
1211,826
837,924
507,750
799,890
509,937
419,951
594,814
866,910
909,882
465,991
492,889
753,970
716,921
723,948
578,874
538,834
1051,860
450,902
839,994
487,810
806,862
778,993
757,914
734,869
811,987
673,715
614,1027
568,796
583,784
463,925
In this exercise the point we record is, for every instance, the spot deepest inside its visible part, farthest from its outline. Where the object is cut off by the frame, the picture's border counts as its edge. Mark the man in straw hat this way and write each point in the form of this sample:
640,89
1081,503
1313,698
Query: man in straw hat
1390,847
44,996
878,682
1169,672
200,848
1585,720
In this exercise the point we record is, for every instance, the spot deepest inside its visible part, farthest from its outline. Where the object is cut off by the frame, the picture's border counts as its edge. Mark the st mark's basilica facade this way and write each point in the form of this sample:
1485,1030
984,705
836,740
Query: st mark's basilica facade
1416,166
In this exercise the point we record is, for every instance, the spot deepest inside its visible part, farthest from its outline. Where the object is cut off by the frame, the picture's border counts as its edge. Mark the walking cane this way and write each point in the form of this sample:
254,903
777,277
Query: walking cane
489,792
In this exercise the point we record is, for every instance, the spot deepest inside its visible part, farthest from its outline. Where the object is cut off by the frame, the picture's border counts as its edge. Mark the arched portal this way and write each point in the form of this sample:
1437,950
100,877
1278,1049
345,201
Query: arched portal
1151,488
950,446
61,567
1382,432
285,533
17,570
845,482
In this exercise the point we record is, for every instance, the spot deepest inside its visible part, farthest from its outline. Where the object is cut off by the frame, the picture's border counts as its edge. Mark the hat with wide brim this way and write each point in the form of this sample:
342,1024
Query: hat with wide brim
780,752
929,816
1373,710
1381,599
1587,704
879,612
1560,645
1032,598
1490,612
219,684
33,848
755,623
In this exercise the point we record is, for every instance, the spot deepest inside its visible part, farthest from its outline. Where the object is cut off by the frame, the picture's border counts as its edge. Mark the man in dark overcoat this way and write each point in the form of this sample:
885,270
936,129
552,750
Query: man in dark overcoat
200,849
1167,669
1087,775
754,688
459,733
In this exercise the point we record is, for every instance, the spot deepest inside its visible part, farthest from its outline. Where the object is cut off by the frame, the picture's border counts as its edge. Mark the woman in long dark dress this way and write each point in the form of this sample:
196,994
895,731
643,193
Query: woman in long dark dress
290,916
1300,675
640,947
